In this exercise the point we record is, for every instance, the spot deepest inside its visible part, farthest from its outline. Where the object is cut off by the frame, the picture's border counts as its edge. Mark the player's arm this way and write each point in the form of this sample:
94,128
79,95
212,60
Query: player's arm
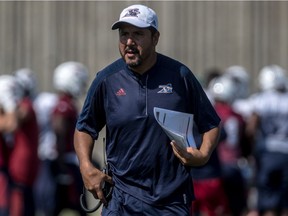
93,178
8,121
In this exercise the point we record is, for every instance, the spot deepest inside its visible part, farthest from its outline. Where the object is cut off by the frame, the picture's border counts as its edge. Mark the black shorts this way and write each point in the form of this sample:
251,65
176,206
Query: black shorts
125,204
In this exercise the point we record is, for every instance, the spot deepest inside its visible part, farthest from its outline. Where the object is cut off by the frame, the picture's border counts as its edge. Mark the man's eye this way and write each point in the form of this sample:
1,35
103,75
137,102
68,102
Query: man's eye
123,34
139,33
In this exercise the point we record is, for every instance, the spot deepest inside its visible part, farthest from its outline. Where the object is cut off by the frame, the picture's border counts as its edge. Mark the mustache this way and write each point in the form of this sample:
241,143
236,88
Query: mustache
131,49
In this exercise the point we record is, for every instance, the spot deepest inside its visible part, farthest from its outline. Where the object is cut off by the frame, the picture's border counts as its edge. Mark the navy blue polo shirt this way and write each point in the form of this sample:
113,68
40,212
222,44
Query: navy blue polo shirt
138,151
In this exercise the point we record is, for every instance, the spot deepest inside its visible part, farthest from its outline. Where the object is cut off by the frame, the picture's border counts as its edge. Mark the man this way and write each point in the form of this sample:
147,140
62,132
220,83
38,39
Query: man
151,175
23,159
10,95
208,181
268,128
22,139
69,80
223,89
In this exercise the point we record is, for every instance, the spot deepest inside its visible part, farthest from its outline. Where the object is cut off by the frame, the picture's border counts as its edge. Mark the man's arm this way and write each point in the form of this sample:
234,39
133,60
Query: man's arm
93,178
198,157
8,120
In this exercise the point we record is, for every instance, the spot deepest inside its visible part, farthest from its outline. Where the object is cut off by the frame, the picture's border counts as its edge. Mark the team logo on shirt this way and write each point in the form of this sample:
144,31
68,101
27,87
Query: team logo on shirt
166,89
121,92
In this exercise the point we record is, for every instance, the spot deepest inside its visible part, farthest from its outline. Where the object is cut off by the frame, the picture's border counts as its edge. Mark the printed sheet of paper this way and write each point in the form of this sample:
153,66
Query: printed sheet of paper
177,125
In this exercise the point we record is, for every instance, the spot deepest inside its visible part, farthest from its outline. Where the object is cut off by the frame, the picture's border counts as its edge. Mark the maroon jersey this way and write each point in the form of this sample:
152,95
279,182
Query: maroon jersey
230,149
3,152
23,162
67,111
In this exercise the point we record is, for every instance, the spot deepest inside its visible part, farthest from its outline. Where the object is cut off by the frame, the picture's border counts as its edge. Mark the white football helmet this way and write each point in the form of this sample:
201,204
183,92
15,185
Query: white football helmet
272,77
241,79
71,77
10,93
222,88
27,80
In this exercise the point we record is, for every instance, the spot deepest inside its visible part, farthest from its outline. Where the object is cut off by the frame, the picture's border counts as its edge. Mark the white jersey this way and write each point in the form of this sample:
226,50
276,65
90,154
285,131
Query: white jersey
272,108
243,107
44,104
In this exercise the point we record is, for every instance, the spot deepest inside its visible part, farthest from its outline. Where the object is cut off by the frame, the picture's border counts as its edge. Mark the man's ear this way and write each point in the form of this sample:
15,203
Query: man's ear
156,38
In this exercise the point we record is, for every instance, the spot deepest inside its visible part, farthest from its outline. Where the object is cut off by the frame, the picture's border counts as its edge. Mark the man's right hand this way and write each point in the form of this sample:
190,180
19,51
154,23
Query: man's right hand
94,180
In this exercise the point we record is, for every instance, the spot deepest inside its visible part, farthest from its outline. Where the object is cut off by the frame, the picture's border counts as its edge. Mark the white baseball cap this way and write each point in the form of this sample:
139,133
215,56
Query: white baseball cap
138,15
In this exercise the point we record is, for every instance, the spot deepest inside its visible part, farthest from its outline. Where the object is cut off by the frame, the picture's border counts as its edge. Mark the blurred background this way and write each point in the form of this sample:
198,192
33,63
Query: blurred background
202,34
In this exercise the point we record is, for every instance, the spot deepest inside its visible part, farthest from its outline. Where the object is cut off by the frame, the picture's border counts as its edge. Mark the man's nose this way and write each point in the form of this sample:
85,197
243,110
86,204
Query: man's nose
130,41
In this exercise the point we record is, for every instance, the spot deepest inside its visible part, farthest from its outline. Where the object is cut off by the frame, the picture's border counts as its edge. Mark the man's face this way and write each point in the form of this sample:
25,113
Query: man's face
136,45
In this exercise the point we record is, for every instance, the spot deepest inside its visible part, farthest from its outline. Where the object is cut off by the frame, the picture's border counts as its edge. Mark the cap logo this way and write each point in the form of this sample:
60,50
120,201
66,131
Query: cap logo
137,15
132,13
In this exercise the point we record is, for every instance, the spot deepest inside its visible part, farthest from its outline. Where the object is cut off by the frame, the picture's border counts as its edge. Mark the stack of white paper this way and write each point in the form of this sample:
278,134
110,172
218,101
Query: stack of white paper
177,125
